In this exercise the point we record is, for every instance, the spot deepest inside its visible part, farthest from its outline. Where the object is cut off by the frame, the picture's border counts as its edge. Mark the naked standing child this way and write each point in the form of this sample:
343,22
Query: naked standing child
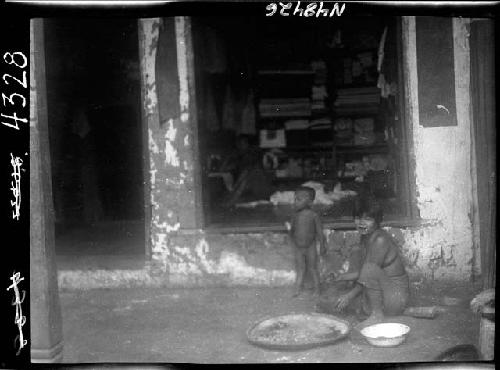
305,232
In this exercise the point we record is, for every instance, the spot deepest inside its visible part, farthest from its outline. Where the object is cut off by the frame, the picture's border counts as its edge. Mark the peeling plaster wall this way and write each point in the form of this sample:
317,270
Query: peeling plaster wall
171,154
443,172
441,248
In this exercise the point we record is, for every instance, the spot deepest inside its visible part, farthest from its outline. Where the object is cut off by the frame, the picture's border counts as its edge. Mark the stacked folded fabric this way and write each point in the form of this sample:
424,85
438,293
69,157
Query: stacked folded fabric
304,124
319,92
343,131
319,95
320,72
362,100
297,124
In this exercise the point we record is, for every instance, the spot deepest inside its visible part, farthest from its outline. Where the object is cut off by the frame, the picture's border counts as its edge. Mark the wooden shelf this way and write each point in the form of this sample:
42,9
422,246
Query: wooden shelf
285,115
278,180
377,148
281,84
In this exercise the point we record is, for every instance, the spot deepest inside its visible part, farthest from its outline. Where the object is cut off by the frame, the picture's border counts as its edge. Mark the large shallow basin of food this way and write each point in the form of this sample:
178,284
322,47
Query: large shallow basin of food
386,334
297,331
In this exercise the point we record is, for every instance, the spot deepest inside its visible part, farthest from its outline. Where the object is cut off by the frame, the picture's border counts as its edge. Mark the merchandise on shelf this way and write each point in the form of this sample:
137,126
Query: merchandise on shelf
363,131
272,138
285,107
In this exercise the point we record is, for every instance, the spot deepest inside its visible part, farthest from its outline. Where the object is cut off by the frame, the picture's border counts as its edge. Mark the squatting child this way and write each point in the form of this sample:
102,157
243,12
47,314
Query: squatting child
305,231
382,282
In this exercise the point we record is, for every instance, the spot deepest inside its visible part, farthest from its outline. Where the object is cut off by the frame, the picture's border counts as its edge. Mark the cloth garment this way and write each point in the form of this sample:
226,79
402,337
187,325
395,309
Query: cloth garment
322,197
211,118
381,50
228,112
238,113
297,124
215,53
214,86
248,119
395,289
167,79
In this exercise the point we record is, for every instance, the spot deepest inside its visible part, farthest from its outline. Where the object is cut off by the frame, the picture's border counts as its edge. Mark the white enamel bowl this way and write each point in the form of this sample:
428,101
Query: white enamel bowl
386,334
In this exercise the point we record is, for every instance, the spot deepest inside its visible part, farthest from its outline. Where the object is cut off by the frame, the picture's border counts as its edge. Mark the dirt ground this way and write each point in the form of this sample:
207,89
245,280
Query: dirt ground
209,326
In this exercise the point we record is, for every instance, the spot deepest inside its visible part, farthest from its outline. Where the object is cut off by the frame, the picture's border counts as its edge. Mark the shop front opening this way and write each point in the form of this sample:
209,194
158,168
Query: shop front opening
289,102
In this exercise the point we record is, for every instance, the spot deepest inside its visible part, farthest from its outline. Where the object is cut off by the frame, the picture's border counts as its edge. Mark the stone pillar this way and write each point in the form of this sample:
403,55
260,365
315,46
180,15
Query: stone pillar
168,98
45,318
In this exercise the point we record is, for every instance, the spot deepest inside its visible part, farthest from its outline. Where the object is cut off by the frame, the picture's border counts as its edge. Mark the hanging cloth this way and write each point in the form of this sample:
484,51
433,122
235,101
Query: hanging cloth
381,50
248,118
381,82
167,76
214,60
228,112
211,117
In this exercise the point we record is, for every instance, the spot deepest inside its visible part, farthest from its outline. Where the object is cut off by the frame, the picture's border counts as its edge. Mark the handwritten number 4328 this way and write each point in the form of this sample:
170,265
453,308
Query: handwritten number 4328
19,60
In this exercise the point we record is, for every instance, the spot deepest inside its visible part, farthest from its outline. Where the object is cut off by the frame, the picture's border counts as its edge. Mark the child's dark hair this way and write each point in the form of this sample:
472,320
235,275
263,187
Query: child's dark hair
309,191
371,208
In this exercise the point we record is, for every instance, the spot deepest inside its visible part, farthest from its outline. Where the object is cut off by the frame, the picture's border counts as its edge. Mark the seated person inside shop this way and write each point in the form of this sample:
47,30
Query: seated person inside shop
381,286
245,179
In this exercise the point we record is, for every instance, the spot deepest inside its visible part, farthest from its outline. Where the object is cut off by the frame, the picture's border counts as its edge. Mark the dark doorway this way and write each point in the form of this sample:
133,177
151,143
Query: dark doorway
93,104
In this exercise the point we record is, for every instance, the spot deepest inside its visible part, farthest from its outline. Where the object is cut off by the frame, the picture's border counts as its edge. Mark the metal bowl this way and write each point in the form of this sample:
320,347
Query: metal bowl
386,334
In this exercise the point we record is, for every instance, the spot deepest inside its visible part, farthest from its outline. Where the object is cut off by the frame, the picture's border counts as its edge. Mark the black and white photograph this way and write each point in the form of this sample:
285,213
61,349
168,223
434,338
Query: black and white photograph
285,182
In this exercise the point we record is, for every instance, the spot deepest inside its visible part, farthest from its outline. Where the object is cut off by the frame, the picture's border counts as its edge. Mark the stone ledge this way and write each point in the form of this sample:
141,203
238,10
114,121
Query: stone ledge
343,225
99,279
